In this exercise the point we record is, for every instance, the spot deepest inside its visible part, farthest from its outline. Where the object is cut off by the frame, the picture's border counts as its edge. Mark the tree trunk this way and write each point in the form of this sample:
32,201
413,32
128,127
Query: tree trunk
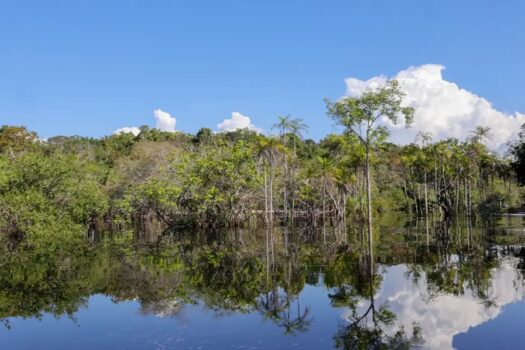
265,196
408,200
271,194
435,177
285,204
324,199
465,196
369,204
286,184
426,194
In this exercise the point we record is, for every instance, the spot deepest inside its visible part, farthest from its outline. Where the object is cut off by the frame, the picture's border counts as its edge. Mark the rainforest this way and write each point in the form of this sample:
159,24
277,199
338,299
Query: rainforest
73,185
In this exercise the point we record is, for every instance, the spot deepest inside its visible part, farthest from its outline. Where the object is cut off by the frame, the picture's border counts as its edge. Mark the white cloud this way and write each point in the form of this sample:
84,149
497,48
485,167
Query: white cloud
165,121
134,130
237,121
443,108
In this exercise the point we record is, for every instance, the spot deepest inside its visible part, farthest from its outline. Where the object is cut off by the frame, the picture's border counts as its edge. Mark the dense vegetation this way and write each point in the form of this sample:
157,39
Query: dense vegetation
64,185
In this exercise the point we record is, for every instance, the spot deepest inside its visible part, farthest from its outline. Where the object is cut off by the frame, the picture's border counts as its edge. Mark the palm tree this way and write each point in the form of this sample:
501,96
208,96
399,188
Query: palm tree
282,125
298,324
269,150
424,137
481,134
271,304
297,127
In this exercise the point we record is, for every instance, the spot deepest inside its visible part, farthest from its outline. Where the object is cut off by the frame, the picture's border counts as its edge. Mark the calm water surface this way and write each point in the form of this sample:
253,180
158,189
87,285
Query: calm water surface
435,285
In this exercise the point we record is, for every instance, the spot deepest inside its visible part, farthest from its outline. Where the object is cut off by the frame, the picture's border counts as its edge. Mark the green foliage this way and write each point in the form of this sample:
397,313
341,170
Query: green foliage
217,183
360,115
14,139
64,184
49,194
518,153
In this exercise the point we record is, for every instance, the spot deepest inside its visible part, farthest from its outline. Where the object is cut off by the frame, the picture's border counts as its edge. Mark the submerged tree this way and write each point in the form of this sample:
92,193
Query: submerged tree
361,116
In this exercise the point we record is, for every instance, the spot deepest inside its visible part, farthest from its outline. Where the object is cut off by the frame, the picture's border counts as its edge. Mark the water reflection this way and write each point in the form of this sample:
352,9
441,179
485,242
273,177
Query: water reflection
437,316
431,281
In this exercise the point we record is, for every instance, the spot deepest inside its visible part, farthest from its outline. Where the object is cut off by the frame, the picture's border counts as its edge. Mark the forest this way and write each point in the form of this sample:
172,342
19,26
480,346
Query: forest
67,185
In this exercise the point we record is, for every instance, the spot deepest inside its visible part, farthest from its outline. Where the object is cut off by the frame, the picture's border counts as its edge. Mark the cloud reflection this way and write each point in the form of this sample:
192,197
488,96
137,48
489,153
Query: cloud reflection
441,316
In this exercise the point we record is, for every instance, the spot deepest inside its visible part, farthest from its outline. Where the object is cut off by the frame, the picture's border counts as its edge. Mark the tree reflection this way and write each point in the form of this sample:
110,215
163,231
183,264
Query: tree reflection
259,271
276,303
365,322
360,333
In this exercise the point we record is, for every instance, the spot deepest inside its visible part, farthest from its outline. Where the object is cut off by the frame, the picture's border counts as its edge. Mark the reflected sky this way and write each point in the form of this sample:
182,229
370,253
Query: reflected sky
105,324
108,325
442,316
452,287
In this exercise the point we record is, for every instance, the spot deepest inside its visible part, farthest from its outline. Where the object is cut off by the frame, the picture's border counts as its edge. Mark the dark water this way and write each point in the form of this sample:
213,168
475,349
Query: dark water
435,285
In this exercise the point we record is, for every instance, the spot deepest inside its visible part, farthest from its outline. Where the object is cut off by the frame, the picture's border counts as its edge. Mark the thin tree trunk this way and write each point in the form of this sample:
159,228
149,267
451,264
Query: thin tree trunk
344,213
369,204
455,193
415,204
426,195
465,195
427,231
271,194
435,176
408,200
285,204
265,196
286,184
324,200
419,198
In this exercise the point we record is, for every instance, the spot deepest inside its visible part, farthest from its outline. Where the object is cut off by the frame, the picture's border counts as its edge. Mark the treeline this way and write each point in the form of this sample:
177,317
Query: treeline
219,179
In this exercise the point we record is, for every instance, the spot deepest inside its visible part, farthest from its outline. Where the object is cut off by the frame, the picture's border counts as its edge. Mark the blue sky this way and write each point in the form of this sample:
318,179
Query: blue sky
90,67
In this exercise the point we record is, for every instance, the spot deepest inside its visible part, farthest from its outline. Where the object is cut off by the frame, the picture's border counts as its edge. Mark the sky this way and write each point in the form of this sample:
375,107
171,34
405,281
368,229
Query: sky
92,67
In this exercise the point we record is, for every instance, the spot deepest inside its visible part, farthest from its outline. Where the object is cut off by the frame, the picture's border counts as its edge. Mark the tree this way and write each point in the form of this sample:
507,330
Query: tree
518,153
16,138
360,116
325,169
203,136
297,127
424,137
480,134
268,151
282,125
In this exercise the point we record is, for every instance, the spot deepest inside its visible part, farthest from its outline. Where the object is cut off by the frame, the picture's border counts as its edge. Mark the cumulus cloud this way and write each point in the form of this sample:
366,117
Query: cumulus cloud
165,121
443,108
236,122
133,130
